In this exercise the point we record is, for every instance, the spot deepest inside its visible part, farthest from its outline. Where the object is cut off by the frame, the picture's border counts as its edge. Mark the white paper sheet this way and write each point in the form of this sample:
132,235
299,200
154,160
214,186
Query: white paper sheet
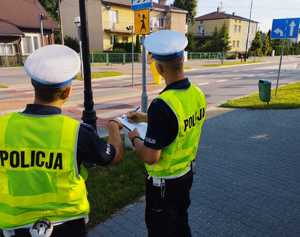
141,127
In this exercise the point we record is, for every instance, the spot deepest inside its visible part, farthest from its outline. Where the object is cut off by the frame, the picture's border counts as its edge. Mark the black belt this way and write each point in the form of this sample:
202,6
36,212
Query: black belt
25,231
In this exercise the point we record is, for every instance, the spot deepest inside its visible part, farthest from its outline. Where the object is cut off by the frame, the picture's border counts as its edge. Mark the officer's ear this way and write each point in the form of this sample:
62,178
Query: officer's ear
65,93
159,68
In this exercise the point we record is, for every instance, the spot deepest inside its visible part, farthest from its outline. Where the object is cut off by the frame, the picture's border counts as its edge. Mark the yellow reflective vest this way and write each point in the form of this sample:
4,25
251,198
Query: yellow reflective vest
189,106
39,176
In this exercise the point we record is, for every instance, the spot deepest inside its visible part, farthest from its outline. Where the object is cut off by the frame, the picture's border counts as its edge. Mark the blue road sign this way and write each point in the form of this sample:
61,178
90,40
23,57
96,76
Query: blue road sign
141,4
285,28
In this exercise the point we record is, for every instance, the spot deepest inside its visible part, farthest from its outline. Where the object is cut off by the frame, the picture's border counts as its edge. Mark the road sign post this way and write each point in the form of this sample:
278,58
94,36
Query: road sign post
284,29
142,27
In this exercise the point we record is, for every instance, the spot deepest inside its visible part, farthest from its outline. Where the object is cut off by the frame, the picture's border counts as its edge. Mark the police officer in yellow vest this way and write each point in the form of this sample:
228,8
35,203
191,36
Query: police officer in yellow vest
42,190
175,119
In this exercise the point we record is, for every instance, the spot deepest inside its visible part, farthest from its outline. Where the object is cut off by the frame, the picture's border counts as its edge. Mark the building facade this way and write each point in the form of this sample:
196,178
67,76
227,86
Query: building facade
237,28
20,27
110,21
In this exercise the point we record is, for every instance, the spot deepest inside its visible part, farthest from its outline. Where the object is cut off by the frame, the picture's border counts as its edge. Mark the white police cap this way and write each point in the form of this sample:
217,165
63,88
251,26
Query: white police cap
166,44
53,66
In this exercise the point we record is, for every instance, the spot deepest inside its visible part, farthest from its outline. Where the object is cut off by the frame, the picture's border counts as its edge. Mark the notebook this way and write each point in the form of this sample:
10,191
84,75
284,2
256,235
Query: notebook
141,127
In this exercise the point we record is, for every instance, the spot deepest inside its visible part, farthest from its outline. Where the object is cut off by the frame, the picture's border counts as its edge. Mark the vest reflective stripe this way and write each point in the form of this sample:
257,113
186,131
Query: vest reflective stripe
38,170
189,107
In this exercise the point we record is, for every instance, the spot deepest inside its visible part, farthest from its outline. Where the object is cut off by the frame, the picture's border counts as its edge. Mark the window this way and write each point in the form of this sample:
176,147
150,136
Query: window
35,42
114,18
240,28
233,44
112,39
238,44
2,49
235,28
125,39
161,22
7,49
27,45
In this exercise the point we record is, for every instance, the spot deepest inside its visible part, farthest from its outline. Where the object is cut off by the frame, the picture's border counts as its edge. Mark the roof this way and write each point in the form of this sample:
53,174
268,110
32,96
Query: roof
168,8
127,3
8,29
221,15
25,14
118,2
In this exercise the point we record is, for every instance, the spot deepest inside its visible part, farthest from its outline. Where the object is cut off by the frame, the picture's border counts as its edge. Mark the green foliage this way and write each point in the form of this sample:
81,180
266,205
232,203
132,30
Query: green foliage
188,5
257,45
218,42
122,48
287,98
192,46
267,47
72,43
137,47
111,188
223,37
51,7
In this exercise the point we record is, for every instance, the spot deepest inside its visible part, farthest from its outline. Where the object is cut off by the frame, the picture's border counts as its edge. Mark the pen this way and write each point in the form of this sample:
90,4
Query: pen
137,109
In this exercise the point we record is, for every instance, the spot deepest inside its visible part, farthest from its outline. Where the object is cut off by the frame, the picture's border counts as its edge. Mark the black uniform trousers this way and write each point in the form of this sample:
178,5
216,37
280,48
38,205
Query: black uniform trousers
166,212
76,228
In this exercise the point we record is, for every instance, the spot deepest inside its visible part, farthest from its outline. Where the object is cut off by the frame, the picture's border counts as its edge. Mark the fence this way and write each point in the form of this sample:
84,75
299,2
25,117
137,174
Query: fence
9,61
122,58
109,58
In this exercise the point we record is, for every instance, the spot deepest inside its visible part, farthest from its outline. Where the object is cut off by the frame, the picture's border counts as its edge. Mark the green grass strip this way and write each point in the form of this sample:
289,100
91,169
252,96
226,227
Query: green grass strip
99,75
288,97
111,188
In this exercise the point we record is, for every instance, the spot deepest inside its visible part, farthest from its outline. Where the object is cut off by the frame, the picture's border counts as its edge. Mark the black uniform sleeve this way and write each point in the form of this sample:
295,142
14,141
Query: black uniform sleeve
92,149
162,125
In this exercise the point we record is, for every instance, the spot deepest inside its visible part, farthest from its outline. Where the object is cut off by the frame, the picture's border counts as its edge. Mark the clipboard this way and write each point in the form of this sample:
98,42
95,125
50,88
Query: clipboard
141,127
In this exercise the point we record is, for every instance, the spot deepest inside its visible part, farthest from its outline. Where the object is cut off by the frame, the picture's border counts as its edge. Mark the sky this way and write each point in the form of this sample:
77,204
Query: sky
263,10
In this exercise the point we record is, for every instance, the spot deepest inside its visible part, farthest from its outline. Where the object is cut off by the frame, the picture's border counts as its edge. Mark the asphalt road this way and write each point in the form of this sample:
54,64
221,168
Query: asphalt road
116,96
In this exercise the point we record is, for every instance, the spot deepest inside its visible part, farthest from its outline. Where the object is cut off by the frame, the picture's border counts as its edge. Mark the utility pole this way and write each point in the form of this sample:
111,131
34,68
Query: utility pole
144,93
61,24
88,114
248,34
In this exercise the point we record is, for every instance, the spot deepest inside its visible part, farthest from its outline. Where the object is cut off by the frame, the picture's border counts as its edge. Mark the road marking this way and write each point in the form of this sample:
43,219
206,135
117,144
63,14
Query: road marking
220,81
203,84
236,78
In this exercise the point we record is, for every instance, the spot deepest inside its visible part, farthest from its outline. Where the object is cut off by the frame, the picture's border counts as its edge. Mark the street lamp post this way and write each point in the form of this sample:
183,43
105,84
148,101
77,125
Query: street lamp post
88,114
248,34
131,28
78,26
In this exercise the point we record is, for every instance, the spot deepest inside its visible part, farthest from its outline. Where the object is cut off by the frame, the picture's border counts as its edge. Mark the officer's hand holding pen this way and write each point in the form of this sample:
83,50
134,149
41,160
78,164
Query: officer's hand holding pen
136,117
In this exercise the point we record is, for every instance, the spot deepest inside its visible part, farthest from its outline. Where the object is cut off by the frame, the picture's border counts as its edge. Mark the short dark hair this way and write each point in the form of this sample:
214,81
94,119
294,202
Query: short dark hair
176,64
48,94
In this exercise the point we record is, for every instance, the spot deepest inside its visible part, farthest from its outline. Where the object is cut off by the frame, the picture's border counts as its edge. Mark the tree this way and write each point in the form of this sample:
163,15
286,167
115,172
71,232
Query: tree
223,40
51,7
188,5
72,43
192,46
137,47
218,42
257,45
267,47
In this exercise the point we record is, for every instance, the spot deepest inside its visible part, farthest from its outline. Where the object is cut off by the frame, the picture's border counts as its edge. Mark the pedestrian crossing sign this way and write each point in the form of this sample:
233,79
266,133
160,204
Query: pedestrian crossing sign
142,22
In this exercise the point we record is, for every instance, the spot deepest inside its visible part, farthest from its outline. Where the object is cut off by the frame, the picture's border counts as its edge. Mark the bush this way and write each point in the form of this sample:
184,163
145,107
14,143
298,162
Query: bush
231,56
72,43
122,48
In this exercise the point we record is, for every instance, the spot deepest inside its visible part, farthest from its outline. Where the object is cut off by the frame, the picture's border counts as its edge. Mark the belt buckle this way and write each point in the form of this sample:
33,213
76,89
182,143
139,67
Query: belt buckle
156,182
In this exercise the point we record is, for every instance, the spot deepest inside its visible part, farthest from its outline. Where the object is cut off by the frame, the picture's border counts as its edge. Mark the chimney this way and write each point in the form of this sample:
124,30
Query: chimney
218,9
233,13
162,2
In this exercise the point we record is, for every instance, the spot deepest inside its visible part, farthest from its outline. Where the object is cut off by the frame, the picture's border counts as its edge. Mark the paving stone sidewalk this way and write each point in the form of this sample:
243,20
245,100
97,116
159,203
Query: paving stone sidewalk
247,182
